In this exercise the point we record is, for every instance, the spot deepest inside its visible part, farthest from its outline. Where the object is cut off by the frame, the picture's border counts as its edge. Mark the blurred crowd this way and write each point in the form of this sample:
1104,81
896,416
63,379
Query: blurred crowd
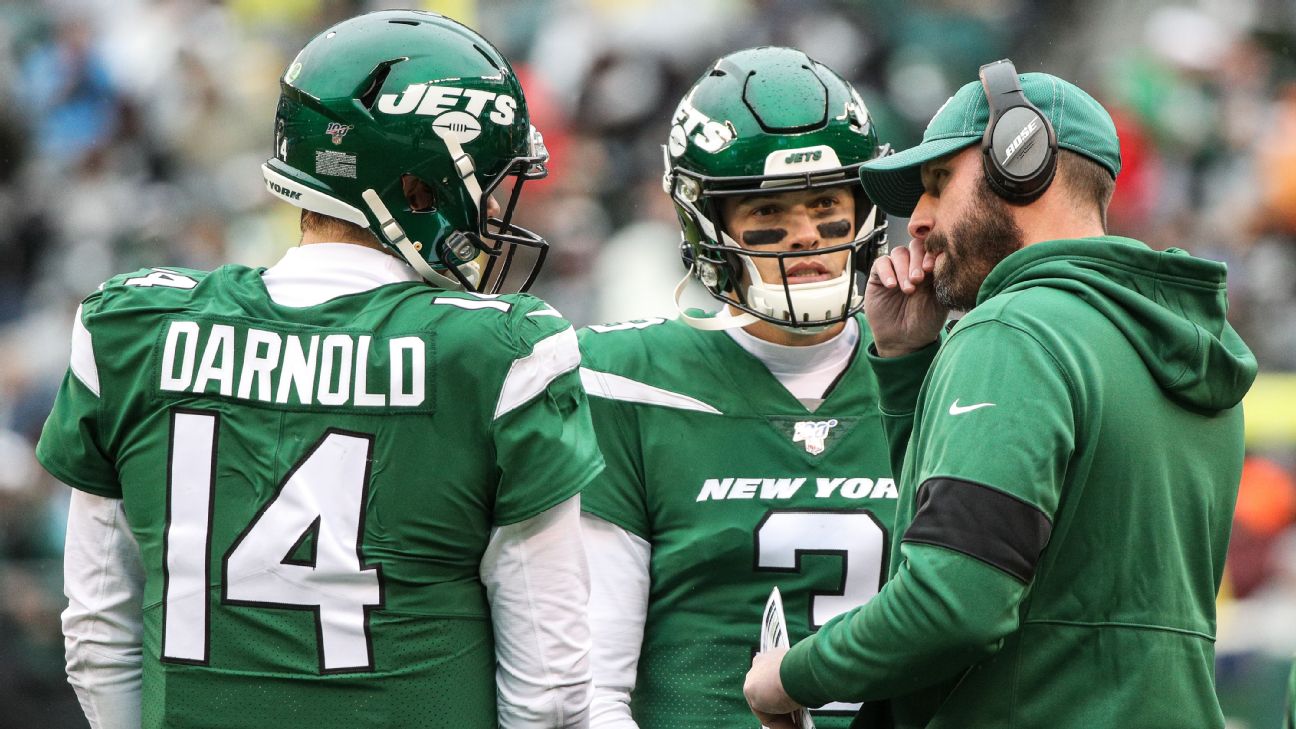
132,131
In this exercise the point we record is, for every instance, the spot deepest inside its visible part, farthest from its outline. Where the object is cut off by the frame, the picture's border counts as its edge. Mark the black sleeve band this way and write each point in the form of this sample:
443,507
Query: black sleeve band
981,522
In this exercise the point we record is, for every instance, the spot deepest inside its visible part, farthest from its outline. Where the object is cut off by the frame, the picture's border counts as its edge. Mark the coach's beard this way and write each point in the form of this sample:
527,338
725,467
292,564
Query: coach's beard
974,246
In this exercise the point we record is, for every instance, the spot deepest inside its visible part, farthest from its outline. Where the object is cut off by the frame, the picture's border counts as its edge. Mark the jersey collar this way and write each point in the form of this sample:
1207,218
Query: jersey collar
312,274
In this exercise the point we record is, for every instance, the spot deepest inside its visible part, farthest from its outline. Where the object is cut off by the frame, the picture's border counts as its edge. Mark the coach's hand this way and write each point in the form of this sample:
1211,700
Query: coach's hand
764,691
900,301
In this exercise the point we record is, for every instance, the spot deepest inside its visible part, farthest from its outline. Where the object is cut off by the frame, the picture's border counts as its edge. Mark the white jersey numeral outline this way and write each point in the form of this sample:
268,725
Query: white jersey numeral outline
322,496
784,536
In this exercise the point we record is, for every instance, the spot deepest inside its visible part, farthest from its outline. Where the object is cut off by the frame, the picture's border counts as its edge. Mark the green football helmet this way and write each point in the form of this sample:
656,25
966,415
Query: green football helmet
770,120
377,103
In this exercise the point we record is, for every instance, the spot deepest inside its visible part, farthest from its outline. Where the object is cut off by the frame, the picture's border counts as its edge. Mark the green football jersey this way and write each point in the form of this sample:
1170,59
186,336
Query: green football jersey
312,489
738,488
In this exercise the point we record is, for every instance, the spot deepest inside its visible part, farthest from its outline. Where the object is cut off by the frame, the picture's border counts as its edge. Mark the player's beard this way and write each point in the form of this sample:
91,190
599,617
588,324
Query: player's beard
974,246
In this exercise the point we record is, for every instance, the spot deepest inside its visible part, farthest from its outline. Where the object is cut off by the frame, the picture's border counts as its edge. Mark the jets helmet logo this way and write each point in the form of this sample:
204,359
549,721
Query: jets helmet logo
427,99
691,125
460,125
814,433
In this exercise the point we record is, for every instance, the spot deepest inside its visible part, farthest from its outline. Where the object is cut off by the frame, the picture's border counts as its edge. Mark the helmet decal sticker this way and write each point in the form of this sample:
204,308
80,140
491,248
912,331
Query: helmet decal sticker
428,100
459,125
796,157
677,143
337,131
857,112
286,192
504,108
335,164
409,100
802,159
709,135
280,140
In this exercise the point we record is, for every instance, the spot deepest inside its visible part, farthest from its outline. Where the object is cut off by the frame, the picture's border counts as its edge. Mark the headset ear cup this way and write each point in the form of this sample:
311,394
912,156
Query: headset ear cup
1011,138
1014,140
994,175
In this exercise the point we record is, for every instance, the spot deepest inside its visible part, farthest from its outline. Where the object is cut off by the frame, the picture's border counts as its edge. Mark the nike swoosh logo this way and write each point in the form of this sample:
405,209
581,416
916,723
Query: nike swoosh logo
956,409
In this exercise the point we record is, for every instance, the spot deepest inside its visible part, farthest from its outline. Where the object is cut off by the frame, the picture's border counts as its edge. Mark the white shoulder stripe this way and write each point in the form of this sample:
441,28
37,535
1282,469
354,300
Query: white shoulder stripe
472,303
616,387
83,359
545,312
529,376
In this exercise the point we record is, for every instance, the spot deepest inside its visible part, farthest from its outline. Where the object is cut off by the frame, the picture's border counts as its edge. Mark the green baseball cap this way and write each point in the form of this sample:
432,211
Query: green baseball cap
1082,125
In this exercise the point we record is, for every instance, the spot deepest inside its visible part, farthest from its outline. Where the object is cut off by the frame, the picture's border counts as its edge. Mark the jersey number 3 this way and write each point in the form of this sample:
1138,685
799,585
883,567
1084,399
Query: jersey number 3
323,496
784,536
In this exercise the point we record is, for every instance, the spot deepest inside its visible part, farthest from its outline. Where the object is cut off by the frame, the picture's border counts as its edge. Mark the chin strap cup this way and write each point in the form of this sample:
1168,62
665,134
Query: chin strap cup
709,323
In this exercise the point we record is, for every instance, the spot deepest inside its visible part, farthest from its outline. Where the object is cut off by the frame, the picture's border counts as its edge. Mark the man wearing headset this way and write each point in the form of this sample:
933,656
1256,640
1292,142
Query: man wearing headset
1073,452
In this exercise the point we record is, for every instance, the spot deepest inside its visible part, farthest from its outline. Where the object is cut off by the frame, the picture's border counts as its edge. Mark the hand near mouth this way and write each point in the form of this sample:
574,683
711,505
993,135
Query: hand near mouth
900,301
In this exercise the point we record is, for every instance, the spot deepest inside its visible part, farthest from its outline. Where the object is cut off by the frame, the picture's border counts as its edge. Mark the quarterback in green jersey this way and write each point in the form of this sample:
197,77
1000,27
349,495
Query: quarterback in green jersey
1073,453
342,491
744,449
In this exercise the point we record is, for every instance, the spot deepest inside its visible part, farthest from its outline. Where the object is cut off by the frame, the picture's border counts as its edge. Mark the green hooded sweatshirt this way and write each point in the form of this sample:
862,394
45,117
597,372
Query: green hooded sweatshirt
1289,716
1072,462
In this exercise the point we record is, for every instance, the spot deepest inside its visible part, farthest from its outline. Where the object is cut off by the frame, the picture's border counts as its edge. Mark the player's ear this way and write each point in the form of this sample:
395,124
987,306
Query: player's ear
421,196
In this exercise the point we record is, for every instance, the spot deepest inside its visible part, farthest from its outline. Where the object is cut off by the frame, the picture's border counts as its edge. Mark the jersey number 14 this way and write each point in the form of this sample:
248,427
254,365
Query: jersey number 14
323,496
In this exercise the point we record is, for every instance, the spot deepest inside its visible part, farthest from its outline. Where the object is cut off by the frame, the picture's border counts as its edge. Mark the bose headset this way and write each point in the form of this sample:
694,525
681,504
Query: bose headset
1018,167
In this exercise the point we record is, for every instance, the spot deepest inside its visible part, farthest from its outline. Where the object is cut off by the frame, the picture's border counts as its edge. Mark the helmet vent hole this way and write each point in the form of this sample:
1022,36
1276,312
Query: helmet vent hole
374,84
716,72
404,22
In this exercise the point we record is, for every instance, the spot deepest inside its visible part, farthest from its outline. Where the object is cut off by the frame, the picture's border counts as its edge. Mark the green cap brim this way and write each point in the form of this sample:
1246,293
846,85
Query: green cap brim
894,182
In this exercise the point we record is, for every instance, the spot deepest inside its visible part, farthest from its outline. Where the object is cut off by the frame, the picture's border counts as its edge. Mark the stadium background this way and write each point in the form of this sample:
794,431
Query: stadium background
131,132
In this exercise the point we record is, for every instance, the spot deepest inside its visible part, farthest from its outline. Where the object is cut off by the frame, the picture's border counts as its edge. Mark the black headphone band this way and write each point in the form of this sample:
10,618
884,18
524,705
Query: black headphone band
1003,90
1018,167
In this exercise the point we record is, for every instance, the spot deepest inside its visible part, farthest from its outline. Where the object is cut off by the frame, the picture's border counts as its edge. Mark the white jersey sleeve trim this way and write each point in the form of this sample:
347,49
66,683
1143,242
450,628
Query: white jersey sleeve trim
537,582
83,359
472,303
103,579
619,584
528,376
616,387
